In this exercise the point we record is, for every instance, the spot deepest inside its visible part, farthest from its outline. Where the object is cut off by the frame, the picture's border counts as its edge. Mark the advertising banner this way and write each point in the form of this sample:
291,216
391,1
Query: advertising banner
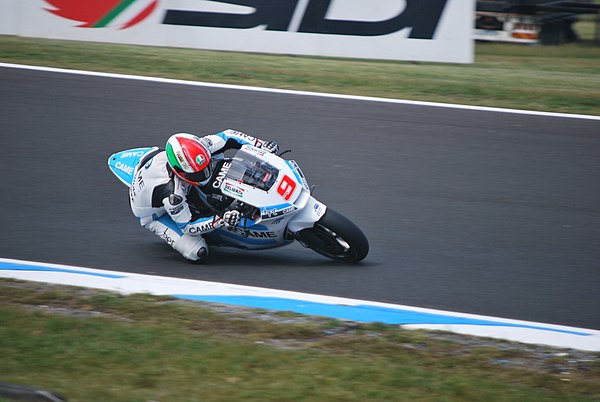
419,30
8,17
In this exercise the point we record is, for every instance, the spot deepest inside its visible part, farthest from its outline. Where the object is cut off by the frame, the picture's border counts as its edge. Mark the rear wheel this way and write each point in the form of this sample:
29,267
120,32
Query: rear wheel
336,237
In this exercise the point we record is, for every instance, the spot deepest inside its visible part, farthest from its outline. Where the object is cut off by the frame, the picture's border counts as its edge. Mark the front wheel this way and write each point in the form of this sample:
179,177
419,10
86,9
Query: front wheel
336,237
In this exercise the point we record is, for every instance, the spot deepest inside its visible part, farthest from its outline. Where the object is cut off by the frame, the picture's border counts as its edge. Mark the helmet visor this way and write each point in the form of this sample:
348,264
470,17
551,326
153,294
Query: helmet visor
198,177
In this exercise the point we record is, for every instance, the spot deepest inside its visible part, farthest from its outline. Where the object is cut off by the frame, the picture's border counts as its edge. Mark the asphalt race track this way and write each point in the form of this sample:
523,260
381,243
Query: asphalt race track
477,212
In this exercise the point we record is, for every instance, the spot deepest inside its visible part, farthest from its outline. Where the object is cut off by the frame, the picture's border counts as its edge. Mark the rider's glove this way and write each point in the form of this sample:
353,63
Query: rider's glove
177,209
218,223
270,146
232,218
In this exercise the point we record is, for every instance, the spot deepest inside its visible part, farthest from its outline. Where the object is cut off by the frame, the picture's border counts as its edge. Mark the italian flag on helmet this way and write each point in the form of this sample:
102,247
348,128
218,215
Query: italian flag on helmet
188,158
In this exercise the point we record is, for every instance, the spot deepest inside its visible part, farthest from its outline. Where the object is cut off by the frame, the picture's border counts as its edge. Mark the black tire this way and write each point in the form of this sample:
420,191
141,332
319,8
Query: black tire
336,237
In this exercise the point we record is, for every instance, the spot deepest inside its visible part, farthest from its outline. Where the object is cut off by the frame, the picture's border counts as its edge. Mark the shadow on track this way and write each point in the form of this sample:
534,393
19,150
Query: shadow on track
286,257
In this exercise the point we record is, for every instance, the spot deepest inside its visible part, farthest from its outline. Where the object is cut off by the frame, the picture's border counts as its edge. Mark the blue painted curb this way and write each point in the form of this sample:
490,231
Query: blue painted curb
8,266
363,313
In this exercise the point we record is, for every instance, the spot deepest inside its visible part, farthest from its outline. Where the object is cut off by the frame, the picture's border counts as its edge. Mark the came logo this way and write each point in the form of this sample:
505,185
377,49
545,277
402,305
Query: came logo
121,14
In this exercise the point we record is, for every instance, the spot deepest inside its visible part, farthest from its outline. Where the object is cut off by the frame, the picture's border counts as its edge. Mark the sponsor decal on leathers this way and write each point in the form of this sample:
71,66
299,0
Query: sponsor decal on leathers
200,228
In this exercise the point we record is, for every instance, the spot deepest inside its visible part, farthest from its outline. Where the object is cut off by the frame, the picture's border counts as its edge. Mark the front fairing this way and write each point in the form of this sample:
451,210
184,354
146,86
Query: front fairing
274,186
265,180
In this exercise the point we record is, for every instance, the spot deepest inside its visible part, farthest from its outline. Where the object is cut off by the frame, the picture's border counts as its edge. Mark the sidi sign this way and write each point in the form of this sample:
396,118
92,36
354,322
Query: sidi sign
421,16
419,30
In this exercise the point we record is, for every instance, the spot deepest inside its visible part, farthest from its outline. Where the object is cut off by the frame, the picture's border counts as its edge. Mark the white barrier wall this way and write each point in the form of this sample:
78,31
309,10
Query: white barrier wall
420,30
8,17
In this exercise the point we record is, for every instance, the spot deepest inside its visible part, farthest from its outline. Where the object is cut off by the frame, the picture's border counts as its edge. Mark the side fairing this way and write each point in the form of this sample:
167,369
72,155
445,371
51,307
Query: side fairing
262,236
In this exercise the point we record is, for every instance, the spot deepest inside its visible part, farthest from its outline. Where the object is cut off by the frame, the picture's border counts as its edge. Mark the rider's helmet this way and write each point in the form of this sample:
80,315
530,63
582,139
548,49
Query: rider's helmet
189,158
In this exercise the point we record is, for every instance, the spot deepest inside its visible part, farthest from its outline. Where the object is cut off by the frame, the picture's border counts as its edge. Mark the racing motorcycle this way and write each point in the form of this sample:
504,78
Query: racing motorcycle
275,201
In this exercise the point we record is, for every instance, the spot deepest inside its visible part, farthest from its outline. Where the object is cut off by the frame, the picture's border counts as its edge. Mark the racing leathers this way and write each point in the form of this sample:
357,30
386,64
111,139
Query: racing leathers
179,212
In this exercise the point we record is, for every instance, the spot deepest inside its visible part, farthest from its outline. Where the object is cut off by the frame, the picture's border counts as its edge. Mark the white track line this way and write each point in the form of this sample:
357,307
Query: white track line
299,93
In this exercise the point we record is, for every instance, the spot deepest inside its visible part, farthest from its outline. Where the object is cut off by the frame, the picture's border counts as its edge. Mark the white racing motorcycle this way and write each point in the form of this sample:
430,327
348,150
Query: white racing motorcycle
275,201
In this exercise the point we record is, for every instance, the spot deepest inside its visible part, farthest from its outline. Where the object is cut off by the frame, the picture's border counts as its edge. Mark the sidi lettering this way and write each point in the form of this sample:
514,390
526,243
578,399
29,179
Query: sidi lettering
423,16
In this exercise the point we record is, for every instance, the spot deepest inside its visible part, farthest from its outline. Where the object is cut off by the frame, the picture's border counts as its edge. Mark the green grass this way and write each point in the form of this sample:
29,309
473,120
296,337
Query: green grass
548,78
97,346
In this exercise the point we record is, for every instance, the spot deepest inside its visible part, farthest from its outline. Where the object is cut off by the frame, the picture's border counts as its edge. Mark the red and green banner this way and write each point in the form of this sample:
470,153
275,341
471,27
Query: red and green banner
103,13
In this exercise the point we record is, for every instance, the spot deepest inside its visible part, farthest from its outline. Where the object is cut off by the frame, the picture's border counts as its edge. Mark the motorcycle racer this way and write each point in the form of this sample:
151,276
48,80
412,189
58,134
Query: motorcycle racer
171,193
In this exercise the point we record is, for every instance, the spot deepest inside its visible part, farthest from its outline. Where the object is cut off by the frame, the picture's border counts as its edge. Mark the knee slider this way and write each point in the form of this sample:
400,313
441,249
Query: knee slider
191,247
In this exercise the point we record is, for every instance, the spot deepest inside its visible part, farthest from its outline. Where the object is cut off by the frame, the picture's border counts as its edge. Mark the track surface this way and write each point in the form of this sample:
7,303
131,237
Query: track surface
477,212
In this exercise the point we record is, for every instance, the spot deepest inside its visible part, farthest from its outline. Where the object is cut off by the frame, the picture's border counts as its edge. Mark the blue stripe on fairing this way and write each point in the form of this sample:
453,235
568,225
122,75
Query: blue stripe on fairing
362,313
274,207
9,266
291,165
240,140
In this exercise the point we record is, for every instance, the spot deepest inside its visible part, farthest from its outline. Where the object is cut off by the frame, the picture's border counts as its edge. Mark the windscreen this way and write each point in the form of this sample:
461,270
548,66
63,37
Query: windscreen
252,171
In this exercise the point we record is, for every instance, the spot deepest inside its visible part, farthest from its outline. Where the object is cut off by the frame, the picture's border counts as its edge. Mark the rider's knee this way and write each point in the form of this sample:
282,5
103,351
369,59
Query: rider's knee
193,248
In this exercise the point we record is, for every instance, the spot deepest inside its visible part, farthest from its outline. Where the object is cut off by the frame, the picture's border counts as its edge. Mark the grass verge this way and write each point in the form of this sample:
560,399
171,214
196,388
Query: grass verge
91,345
550,78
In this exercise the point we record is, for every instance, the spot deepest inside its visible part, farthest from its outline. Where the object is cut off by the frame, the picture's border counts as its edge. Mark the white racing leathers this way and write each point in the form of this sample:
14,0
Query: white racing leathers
158,198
